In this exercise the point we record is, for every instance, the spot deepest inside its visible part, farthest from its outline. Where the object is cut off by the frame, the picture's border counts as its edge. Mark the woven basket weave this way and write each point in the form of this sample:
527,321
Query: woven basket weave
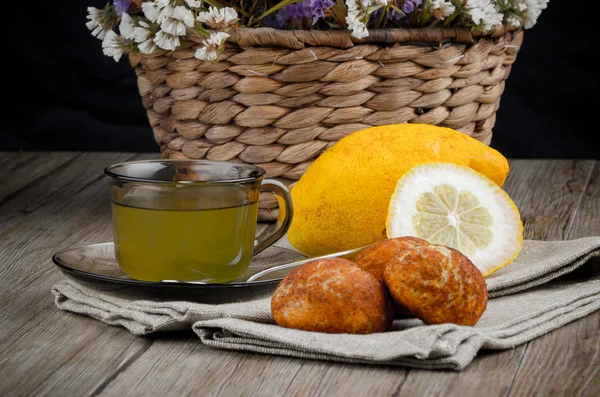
278,99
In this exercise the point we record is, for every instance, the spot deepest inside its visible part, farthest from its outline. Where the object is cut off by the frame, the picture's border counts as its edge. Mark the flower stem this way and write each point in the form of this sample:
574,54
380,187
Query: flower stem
215,3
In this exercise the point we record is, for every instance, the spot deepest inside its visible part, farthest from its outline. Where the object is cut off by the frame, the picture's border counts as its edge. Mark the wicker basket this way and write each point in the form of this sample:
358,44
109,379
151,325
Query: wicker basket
278,99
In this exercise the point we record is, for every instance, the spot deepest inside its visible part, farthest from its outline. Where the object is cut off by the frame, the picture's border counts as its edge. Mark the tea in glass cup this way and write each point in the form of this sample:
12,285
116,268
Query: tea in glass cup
189,220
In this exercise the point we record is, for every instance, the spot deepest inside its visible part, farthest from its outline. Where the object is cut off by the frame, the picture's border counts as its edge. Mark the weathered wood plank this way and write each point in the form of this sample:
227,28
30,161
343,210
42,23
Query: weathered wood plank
547,206
29,221
178,366
56,180
348,380
52,351
5,159
63,354
587,222
548,193
565,362
21,170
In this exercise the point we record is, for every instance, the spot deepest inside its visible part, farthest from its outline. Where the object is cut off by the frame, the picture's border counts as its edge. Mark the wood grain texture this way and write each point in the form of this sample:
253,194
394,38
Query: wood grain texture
587,222
547,193
44,346
5,159
22,170
182,366
44,351
565,362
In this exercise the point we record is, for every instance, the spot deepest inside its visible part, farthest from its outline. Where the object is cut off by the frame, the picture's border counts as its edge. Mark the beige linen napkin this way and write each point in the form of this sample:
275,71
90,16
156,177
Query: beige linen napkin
529,298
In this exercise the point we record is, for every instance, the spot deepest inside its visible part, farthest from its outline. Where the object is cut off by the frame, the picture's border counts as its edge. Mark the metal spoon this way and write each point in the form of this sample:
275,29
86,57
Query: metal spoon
291,265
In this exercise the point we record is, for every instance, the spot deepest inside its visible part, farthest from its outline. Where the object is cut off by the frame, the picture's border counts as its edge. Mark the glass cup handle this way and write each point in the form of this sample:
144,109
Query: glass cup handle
286,212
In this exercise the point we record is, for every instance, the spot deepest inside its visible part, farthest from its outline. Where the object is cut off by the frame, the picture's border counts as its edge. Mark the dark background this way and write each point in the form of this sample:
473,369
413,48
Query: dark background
64,94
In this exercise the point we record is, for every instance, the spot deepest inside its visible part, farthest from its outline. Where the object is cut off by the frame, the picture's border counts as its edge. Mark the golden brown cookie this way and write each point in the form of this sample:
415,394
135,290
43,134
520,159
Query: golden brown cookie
374,259
333,296
438,284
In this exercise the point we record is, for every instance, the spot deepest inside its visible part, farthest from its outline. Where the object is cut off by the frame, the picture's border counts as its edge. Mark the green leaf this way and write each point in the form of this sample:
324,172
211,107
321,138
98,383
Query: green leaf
339,12
425,13
451,18
393,7
214,3
382,18
203,31
372,9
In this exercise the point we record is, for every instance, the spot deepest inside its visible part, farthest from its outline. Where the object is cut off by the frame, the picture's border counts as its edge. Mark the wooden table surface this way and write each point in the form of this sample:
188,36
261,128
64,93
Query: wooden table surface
51,201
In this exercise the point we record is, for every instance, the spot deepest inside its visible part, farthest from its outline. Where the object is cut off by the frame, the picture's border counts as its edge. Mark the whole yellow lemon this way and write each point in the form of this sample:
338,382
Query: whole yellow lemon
341,201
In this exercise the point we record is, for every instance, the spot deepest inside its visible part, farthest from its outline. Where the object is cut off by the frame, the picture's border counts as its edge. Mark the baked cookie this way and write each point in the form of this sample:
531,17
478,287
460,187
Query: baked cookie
333,296
375,258
438,285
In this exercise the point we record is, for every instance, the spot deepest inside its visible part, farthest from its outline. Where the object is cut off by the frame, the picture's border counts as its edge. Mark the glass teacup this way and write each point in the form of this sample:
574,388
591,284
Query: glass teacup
190,220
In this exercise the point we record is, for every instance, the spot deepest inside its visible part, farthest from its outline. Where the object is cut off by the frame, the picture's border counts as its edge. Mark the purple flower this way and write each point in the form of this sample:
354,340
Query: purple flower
271,22
121,6
317,8
409,6
311,9
293,11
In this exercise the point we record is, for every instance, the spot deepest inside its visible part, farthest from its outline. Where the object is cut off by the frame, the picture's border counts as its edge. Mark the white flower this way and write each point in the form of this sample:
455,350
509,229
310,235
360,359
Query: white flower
218,18
358,28
217,39
147,47
213,46
166,12
174,27
114,45
142,32
176,20
161,10
173,19
166,41
534,9
360,5
100,21
142,36
484,13
519,5
204,54
513,12
94,23
193,3
150,11
442,9
126,27
359,12
513,21
184,15
382,2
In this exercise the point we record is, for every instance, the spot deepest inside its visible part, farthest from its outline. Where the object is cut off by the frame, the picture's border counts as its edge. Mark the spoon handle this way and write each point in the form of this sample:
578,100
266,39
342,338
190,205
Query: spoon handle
291,265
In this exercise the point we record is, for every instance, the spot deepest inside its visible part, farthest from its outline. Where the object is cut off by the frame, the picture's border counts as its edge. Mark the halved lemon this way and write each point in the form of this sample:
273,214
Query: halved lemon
460,208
